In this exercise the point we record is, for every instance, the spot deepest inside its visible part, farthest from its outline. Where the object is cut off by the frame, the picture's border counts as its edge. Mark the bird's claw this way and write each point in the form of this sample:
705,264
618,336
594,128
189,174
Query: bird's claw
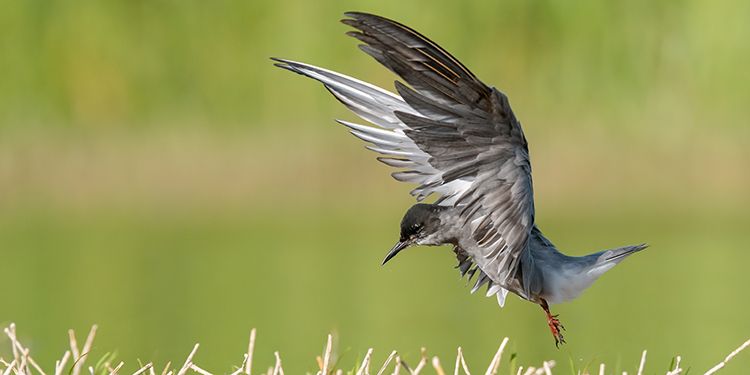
556,327
559,341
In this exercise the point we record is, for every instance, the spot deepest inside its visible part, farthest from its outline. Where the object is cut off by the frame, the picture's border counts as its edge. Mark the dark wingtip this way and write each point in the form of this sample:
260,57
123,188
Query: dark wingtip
357,17
357,14
351,17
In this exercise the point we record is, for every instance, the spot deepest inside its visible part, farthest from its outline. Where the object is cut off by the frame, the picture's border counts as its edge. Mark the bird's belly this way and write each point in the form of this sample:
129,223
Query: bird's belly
560,294
562,287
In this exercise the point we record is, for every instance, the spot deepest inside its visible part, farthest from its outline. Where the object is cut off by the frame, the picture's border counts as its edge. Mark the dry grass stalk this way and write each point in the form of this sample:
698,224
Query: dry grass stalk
24,352
17,358
397,368
60,364
277,370
10,367
143,369
188,361
74,349
250,349
113,371
199,370
79,356
327,355
73,343
495,363
11,332
460,359
241,369
21,368
88,343
422,362
676,370
436,365
547,368
458,362
165,371
364,369
387,362
731,355
642,364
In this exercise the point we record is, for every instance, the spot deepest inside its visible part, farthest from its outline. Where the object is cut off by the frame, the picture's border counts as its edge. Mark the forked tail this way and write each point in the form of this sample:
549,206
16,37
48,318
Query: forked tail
616,255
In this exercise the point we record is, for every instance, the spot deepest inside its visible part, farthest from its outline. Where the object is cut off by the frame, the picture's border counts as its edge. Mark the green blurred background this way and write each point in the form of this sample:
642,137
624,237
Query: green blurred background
159,177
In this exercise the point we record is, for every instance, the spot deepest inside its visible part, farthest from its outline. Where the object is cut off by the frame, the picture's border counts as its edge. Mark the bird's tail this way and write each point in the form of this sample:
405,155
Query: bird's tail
618,254
607,259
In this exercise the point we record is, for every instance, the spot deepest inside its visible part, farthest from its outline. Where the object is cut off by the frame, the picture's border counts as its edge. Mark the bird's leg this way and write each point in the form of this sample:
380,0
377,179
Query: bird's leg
554,325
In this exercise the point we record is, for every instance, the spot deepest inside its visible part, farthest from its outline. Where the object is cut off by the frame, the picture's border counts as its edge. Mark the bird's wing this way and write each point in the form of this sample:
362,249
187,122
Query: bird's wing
449,133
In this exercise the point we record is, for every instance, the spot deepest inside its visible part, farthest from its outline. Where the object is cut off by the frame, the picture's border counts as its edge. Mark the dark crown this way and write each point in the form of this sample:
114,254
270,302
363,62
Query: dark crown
420,217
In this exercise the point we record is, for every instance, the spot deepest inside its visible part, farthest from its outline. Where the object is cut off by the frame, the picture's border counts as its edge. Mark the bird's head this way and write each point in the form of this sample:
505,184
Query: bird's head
418,227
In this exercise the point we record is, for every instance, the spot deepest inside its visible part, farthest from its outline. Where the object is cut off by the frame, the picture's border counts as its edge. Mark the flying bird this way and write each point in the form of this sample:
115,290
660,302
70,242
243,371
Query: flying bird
458,140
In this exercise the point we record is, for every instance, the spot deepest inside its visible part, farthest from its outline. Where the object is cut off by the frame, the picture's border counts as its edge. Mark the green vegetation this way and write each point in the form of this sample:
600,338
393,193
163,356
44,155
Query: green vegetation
159,177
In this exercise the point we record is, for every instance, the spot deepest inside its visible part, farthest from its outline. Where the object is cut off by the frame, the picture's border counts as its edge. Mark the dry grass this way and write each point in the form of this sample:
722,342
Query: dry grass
73,361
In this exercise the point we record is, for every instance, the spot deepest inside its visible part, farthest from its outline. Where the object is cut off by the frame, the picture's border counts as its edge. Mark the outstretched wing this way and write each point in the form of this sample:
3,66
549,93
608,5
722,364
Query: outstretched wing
449,133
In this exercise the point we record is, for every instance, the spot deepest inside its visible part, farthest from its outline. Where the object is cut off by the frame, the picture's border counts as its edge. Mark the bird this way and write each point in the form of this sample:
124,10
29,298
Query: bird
458,140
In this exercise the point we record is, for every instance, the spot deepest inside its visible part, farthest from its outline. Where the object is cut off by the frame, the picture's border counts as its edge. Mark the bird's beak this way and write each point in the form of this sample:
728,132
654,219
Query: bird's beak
400,245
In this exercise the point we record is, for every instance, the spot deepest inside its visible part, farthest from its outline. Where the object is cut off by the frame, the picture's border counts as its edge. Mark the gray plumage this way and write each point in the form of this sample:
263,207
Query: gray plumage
458,139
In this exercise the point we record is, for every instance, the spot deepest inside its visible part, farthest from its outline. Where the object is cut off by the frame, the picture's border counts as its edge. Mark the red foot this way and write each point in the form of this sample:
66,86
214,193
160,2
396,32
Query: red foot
554,325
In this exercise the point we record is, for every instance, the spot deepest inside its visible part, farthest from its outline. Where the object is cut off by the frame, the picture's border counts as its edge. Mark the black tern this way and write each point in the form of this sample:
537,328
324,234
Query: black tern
458,140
